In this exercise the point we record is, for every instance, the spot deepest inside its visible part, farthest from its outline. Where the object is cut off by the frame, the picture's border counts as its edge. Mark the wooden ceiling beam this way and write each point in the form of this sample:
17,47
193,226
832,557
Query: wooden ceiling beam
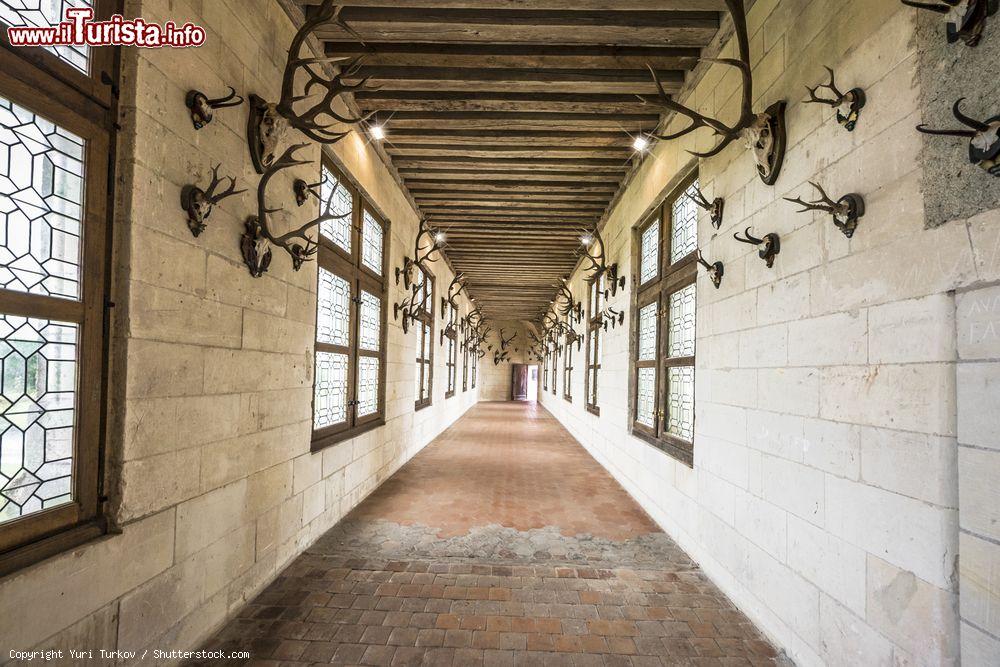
590,164
585,5
487,151
518,120
519,198
493,101
431,136
461,178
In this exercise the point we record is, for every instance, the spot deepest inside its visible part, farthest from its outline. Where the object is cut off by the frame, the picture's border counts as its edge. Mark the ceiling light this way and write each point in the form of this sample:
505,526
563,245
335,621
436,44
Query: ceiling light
439,238
640,144
378,132
586,239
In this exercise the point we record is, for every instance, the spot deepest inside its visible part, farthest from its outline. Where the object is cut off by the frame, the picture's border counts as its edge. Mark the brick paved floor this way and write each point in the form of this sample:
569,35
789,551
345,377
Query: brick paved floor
502,543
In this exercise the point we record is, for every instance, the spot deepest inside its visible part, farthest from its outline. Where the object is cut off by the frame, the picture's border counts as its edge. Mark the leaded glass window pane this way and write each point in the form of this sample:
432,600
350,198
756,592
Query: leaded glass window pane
681,322
367,386
427,343
650,260
337,230
684,226
41,204
647,332
331,389
333,319
646,402
47,13
680,402
371,315
371,243
36,414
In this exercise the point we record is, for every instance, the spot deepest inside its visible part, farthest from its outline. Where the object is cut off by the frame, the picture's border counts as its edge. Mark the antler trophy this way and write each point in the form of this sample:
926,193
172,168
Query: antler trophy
715,270
453,293
267,121
966,19
202,107
714,208
847,105
259,237
984,145
419,257
771,245
845,211
764,133
598,262
199,203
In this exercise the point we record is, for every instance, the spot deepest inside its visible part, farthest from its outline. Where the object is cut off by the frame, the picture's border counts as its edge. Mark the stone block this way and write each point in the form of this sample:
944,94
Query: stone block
978,418
836,567
979,493
913,331
795,488
912,464
979,582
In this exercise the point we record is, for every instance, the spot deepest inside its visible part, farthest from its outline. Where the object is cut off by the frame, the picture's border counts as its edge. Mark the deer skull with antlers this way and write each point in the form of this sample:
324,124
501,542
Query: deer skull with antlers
847,105
715,270
319,120
771,245
421,252
966,19
454,289
984,136
845,211
763,133
259,236
714,208
598,262
199,203
202,107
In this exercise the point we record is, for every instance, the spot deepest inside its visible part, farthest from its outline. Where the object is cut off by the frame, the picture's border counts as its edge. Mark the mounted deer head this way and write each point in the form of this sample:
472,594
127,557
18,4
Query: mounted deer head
571,307
202,107
984,136
304,190
715,271
316,121
504,341
847,105
454,289
966,19
714,208
199,203
771,245
845,211
598,262
763,133
500,357
259,235
436,240
612,317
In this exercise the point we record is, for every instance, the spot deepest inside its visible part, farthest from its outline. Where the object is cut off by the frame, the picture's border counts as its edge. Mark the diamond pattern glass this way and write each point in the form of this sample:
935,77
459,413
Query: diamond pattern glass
45,13
337,230
646,402
647,332
650,258
41,204
36,414
682,320
680,402
367,386
371,313
333,318
331,389
684,227
372,241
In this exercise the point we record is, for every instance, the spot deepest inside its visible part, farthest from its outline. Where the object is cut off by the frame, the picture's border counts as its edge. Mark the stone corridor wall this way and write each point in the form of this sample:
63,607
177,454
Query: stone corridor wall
496,380
211,481
824,497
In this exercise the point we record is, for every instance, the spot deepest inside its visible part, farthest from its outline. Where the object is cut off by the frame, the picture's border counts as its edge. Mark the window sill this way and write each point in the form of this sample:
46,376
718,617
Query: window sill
325,441
66,540
450,394
568,399
683,453
420,406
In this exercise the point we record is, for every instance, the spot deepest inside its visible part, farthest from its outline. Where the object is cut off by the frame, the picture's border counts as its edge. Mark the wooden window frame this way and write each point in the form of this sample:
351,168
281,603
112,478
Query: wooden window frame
349,266
595,329
568,367
545,369
465,362
670,278
81,103
555,368
450,334
474,356
425,317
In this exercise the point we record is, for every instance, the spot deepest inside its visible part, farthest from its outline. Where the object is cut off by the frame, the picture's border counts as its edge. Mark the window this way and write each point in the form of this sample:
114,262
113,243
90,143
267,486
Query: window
475,366
349,384
595,344
450,338
424,323
56,130
545,368
568,364
555,368
663,357
465,359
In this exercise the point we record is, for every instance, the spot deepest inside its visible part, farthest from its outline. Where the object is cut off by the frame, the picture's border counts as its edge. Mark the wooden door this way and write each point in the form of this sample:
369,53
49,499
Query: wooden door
519,382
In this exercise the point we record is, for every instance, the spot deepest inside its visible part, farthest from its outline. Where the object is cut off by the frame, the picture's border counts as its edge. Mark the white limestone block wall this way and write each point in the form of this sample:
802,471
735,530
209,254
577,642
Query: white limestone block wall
824,497
213,486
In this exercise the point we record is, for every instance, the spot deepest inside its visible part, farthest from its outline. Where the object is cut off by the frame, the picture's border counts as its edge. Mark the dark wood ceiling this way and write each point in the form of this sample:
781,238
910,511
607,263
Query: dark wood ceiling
511,121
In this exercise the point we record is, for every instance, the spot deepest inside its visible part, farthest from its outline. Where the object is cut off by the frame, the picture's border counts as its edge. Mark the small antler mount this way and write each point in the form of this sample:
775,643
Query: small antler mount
198,203
202,107
847,105
845,211
715,270
984,138
770,245
966,19
715,208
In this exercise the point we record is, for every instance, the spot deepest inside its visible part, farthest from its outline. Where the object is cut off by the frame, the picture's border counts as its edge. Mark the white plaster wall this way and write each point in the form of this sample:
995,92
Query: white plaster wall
213,486
824,493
